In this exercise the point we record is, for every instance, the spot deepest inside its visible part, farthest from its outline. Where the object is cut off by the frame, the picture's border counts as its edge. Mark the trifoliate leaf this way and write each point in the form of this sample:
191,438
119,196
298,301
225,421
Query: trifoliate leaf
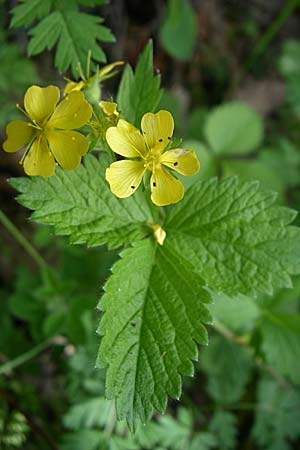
234,236
179,31
234,128
139,91
277,416
153,314
228,369
79,204
281,343
65,29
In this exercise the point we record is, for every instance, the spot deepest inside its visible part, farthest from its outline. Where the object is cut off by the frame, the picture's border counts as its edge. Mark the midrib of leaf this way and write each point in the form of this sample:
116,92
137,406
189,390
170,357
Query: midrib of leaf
142,326
65,23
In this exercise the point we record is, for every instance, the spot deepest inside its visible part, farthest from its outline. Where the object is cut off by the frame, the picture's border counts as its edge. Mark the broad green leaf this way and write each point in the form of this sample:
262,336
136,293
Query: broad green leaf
277,417
234,236
284,159
237,313
234,128
64,28
80,204
139,92
281,343
254,170
28,11
153,309
178,33
228,369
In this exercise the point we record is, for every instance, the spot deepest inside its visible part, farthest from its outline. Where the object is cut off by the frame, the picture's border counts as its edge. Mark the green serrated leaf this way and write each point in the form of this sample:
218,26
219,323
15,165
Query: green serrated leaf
281,343
179,31
64,28
234,236
153,314
139,91
234,128
28,11
79,204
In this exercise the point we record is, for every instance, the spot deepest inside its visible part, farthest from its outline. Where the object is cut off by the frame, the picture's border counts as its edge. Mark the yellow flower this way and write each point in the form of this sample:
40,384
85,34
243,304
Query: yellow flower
49,137
148,150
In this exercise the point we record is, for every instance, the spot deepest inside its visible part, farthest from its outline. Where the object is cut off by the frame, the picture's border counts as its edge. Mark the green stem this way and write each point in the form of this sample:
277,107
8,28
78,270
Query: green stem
240,340
268,36
22,359
22,240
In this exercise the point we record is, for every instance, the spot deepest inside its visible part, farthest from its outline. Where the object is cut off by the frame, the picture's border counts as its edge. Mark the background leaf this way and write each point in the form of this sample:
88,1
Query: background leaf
233,128
178,32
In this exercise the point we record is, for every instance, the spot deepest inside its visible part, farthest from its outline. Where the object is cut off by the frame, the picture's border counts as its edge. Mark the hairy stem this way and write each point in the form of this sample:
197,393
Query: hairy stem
27,356
6,222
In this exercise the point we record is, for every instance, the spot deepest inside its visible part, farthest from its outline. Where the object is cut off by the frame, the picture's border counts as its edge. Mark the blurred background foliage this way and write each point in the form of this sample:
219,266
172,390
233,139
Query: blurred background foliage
231,73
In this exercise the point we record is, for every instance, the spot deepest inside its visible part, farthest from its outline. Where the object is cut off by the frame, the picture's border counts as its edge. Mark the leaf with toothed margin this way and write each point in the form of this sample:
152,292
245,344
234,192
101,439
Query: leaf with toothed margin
235,237
154,310
79,204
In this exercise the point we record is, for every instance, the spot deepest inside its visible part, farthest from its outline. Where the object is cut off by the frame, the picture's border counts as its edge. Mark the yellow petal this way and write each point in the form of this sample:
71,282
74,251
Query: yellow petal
18,133
39,160
109,108
73,86
40,102
126,140
72,112
182,160
165,189
67,147
106,70
124,177
157,129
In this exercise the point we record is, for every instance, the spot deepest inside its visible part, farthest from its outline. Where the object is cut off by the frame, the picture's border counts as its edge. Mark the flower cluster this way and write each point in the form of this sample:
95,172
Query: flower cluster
49,139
